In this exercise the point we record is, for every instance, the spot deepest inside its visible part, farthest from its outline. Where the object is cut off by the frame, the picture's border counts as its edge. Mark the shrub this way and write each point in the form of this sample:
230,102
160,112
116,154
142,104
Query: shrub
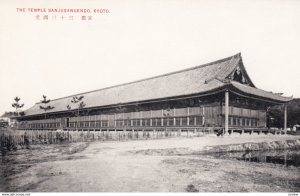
191,188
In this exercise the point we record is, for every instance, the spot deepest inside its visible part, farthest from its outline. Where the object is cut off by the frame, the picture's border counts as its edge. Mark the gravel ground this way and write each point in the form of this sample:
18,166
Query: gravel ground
164,165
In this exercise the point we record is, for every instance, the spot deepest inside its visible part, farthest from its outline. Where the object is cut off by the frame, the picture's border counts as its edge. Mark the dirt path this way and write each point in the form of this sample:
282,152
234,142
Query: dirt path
121,167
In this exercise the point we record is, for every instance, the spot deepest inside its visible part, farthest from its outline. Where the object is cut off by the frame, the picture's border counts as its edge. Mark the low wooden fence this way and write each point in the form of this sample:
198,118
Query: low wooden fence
16,138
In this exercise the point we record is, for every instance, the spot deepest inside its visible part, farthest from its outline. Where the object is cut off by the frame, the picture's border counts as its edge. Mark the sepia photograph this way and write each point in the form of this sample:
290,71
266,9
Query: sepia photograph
149,96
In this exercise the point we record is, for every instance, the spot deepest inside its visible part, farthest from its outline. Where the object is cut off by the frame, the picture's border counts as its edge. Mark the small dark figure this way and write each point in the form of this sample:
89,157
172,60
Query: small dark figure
26,141
220,132
10,145
191,188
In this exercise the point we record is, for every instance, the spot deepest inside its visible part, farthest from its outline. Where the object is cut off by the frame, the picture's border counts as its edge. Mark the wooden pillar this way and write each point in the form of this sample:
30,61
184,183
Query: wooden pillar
226,110
174,119
285,118
162,119
188,116
203,118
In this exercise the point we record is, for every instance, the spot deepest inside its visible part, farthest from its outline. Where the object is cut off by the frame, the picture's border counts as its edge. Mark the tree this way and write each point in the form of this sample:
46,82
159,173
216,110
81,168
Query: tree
78,106
294,112
46,107
275,114
17,105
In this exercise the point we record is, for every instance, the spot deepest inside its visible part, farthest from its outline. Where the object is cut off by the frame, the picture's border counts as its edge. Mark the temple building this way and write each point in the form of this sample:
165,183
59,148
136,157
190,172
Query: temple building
218,96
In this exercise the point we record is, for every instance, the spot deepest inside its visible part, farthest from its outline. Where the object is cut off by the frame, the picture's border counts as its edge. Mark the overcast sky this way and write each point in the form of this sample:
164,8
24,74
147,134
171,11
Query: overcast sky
140,39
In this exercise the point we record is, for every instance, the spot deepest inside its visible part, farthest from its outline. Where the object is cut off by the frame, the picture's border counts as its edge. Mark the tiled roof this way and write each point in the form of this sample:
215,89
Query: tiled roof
195,80
9,114
259,93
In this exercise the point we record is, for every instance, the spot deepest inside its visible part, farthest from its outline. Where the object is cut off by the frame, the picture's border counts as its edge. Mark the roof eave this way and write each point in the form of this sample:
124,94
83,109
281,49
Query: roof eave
239,92
202,94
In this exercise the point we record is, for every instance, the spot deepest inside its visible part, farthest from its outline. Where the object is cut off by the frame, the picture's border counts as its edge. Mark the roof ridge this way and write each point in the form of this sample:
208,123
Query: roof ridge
158,76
